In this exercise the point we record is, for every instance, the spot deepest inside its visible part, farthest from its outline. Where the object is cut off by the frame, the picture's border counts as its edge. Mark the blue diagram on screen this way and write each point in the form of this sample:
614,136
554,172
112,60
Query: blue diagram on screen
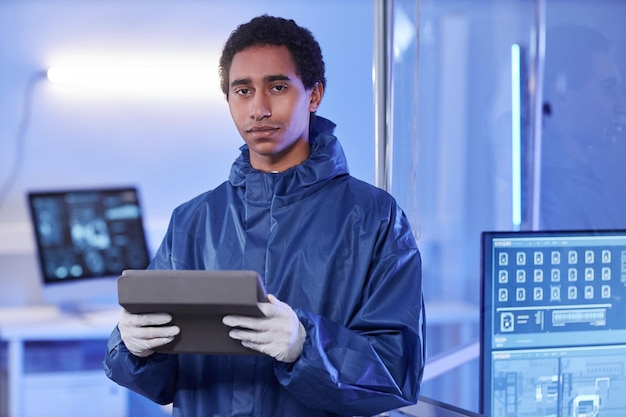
554,332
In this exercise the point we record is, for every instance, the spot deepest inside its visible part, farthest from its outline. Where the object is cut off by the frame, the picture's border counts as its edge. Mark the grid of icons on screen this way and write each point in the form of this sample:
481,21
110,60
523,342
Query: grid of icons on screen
546,275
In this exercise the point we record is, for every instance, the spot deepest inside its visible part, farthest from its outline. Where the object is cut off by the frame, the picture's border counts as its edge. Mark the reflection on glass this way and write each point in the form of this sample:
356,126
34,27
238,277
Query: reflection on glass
583,149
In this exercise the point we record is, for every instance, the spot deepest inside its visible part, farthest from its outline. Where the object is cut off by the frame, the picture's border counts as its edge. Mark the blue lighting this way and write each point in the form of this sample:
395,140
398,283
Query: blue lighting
516,135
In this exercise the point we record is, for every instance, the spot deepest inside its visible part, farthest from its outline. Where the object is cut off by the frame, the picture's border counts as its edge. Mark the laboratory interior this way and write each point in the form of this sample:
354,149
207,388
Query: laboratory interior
497,125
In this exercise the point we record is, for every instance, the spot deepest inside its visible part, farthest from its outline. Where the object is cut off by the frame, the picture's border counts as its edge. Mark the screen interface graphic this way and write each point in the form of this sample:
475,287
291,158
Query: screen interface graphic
554,324
88,233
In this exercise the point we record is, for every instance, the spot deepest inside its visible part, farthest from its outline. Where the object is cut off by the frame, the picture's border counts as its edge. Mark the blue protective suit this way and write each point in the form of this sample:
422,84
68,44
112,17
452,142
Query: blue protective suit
339,251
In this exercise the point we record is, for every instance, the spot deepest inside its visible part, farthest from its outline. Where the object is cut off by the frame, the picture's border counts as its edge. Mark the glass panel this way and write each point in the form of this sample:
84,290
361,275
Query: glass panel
583,152
464,156
452,155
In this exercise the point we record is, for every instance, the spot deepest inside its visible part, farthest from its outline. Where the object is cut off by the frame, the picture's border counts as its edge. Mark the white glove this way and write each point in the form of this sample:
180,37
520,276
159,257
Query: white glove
143,332
279,334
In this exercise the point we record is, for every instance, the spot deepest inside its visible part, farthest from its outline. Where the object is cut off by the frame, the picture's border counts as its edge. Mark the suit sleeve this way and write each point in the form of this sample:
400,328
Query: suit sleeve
375,362
154,376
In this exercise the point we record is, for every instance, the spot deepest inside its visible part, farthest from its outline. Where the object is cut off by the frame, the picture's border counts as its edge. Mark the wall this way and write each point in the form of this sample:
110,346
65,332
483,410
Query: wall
171,145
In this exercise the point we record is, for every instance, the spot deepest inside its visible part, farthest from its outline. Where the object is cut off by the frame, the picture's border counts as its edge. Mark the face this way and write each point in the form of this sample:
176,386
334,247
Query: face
595,107
270,106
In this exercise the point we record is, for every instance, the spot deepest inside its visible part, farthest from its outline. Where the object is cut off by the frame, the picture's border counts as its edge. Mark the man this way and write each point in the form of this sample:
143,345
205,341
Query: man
343,333
583,153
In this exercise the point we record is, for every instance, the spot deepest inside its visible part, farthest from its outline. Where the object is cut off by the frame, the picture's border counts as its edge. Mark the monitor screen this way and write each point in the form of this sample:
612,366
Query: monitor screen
87,235
553,325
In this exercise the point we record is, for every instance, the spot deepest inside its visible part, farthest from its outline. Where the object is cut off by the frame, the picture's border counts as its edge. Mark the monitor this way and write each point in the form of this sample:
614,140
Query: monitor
84,239
553,324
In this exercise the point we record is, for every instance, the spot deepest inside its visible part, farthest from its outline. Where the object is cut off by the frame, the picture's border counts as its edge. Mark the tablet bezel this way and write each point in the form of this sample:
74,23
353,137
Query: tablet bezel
197,301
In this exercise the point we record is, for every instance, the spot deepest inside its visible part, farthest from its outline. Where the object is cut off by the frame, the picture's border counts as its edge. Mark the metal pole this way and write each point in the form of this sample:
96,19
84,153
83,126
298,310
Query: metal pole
381,77
535,88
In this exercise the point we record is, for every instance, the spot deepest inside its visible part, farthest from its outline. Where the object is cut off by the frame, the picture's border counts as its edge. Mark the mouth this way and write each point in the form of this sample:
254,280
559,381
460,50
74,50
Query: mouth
262,131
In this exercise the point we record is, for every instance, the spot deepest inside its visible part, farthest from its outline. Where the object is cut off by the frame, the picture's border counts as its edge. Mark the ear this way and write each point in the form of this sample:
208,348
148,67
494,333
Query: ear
315,97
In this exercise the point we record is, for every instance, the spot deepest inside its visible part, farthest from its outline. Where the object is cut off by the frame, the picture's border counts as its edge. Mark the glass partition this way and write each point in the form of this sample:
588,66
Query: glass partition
454,150
583,149
504,115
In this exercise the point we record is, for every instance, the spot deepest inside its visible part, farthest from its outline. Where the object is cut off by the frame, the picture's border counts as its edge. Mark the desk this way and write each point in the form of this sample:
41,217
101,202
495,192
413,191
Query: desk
54,340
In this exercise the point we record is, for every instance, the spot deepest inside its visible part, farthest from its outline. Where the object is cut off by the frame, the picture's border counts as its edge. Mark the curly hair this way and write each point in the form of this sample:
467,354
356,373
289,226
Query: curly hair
276,31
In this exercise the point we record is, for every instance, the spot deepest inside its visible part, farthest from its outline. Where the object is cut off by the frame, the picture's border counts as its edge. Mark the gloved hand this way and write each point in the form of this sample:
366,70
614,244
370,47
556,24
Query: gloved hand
143,332
279,334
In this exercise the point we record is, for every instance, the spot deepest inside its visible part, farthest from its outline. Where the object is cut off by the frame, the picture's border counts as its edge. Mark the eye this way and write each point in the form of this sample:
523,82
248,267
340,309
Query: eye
279,88
242,91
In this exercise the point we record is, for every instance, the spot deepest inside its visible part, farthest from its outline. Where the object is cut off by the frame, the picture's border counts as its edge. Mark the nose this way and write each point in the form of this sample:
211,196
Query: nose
260,107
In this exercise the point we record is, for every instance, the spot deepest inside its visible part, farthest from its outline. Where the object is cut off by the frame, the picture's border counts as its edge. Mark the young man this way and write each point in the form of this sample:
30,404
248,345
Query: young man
343,333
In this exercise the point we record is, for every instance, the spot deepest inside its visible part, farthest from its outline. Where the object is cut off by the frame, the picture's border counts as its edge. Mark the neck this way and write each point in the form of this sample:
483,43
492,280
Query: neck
282,161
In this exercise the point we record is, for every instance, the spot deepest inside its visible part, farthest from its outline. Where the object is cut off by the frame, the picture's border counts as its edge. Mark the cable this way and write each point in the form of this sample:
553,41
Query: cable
20,137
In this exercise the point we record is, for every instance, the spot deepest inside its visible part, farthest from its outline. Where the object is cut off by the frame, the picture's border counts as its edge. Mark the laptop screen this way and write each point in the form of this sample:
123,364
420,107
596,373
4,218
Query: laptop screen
87,233
553,325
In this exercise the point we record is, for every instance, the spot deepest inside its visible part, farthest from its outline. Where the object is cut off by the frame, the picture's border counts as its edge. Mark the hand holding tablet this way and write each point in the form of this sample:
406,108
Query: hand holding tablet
197,301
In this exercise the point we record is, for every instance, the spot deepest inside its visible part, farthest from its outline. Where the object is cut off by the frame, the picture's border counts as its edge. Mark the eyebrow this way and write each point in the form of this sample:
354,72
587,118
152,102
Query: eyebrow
267,79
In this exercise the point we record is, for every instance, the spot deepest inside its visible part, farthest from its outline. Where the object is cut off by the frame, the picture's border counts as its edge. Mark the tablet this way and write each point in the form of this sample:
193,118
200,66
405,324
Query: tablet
197,301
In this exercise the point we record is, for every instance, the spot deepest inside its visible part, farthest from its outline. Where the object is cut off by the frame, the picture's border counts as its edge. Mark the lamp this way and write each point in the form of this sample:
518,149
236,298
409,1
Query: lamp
136,80
126,75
